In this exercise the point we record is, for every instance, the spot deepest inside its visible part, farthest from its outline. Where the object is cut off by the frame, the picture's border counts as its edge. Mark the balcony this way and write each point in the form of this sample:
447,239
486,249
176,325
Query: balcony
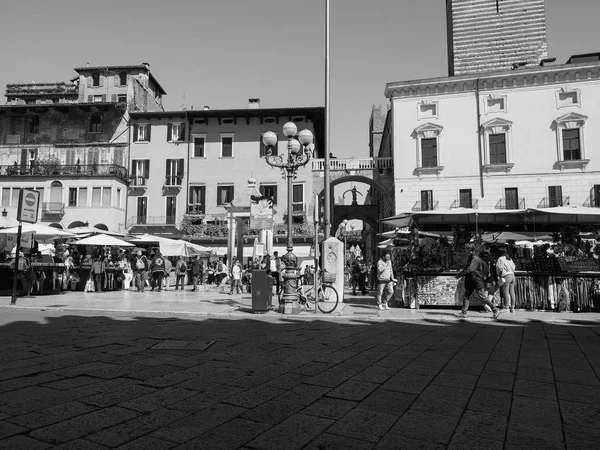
457,204
419,207
348,164
511,203
53,207
173,180
553,202
138,181
298,209
196,209
151,220
60,170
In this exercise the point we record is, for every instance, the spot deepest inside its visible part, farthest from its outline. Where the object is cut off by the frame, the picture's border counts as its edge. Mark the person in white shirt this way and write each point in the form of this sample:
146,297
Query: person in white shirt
275,266
385,281
505,267
236,277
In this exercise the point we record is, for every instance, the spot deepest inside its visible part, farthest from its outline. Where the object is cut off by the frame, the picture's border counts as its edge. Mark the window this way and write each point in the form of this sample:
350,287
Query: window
140,171
82,199
15,197
497,148
570,140
595,196
118,197
199,146
496,134
98,98
96,79
224,194
96,123
298,198
511,197
571,148
174,172
429,152
426,200
141,132
142,210
226,146
555,197
6,197
106,197
197,200
34,124
175,132
72,197
122,98
269,190
122,78
465,198
96,196
171,211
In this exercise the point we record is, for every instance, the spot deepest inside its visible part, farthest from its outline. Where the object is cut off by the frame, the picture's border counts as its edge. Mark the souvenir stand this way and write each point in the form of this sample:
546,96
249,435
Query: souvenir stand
556,260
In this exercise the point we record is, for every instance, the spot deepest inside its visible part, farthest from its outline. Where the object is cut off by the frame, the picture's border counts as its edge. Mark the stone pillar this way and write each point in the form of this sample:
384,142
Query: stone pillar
231,222
239,241
333,255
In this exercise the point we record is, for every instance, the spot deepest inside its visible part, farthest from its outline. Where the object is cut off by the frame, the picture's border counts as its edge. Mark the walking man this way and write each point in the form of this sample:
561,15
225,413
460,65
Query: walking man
140,266
180,271
196,273
385,281
275,266
158,270
475,273
236,277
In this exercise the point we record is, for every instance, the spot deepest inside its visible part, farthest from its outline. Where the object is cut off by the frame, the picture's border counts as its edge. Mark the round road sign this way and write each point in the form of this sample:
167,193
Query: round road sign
30,199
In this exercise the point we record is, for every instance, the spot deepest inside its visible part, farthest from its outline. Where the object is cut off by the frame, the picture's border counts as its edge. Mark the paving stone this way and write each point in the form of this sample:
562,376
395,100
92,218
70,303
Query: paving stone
375,374
490,401
474,443
52,415
156,400
582,414
443,400
329,408
21,442
537,362
170,379
147,443
409,383
85,369
303,394
578,393
69,383
577,436
525,436
135,428
364,425
388,402
293,433
202,400
397,442
483,425
535,374
80,444
36,398
328,379
453,379
503,381
335,442
199,423
353,390
228,436
10,429
527,388
31,380
255,396
418,425
312,368
395,362
586,377
150,372
82,425
535,411
287,380
116,396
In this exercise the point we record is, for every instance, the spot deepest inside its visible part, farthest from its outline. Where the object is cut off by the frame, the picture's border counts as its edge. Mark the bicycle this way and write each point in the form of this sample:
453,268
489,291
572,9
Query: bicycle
327,297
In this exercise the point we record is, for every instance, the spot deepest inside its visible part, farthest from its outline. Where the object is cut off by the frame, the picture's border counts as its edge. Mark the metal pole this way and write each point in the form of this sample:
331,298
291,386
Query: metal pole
290,177
327,192
13,300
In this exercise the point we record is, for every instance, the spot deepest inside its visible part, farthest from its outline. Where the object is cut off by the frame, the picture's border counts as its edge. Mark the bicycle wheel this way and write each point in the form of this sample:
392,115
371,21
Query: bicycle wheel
328,299
310,296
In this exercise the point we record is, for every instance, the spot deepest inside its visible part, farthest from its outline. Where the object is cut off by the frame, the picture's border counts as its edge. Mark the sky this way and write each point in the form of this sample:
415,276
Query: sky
220,53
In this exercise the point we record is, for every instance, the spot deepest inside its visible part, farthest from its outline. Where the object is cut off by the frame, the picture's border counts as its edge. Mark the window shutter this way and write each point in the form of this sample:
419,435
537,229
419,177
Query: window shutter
135,132
180,167
90,98
168,165
148,128
182,132
89,81
134,168
23,158
113,98
147,168
117,81
169,130
104,97
118,159
101,80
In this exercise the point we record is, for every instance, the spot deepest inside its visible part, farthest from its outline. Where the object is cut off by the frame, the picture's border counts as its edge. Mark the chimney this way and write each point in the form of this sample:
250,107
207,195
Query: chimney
253,103
206,108
147,65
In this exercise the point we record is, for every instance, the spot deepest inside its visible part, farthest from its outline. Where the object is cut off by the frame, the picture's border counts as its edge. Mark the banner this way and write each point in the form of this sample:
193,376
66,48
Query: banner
261,212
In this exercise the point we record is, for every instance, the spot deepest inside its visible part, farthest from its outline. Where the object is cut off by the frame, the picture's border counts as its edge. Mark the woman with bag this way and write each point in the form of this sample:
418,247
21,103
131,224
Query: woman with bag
505,268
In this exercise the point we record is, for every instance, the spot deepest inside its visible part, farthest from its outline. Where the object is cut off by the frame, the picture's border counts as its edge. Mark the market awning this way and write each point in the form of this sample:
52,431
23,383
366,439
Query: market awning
42,232
103,240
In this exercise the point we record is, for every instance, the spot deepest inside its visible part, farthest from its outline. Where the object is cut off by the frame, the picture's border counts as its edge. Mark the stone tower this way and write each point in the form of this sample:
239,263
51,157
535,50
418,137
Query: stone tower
488,35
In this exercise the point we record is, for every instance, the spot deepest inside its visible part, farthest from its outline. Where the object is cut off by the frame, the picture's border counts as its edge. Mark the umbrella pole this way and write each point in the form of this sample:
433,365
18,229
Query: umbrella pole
13,299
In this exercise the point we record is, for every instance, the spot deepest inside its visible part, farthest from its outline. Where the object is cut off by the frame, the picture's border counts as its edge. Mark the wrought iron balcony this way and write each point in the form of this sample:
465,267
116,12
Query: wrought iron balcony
173,180
57,170
338,164
511,204
196,209
553,202
457,204
53,207
427,207
138,181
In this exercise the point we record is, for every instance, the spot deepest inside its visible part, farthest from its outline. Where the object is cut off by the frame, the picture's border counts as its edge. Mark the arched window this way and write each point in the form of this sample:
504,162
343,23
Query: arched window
56,192
56,225
34,124
96,123
76,224
101,226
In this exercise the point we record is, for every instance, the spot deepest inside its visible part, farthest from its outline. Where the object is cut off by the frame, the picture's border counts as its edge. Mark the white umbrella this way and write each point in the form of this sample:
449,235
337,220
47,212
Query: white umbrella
42,232
93,230
104,239
7,222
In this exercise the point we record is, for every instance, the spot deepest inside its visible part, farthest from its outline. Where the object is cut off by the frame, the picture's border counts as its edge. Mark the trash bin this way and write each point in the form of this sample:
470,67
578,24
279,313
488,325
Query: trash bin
262,291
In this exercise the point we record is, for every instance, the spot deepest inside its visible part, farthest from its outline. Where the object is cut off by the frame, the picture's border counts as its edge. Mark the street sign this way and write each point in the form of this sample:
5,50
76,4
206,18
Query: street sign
29,205
261,212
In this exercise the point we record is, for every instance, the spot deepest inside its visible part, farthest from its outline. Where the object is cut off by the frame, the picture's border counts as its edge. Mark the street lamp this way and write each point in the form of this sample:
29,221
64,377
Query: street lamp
299,152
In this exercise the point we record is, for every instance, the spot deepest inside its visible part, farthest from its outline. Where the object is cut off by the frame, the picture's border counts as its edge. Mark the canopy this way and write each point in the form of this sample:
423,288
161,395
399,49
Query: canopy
172,247
93,230
103,239
505,236
6,222
42,232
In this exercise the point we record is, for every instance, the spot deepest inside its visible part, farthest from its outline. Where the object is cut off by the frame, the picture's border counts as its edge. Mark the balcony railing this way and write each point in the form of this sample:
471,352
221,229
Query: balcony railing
503,204
196,209
173,180
553,202
298,208
53,207
138,181
419,207
456,204
54,170
152,220
337,164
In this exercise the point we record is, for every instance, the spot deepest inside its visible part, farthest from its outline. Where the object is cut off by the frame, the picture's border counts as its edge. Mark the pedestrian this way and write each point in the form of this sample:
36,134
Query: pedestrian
275,266
140,267
180,272
385,281
505,269
98,269
475,273
236,277
491,282
196,273
157,267
167,276
23,273
125,266
373,276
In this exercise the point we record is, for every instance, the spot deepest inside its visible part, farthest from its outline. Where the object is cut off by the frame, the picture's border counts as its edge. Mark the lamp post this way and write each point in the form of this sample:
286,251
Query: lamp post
299,152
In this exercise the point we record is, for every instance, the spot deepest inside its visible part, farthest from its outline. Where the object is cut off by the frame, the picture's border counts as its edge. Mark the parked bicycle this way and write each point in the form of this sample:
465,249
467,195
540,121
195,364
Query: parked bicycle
327,297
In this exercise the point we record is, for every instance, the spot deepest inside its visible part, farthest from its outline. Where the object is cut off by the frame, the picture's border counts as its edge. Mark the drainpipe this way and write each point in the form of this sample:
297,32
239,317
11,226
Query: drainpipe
128,167
479,138
187,183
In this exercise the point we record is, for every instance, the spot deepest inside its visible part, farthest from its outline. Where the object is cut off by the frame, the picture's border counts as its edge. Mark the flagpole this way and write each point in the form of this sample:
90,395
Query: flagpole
327,193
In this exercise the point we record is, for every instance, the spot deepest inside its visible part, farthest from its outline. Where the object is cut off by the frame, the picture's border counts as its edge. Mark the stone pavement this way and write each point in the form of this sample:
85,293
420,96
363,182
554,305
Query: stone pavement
159,372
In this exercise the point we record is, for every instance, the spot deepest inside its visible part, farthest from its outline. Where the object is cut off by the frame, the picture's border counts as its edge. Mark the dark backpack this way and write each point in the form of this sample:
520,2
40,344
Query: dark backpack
485,270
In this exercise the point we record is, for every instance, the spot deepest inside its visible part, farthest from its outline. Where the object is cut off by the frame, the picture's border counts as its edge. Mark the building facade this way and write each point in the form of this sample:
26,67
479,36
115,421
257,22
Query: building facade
70,140
505,140
192,164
